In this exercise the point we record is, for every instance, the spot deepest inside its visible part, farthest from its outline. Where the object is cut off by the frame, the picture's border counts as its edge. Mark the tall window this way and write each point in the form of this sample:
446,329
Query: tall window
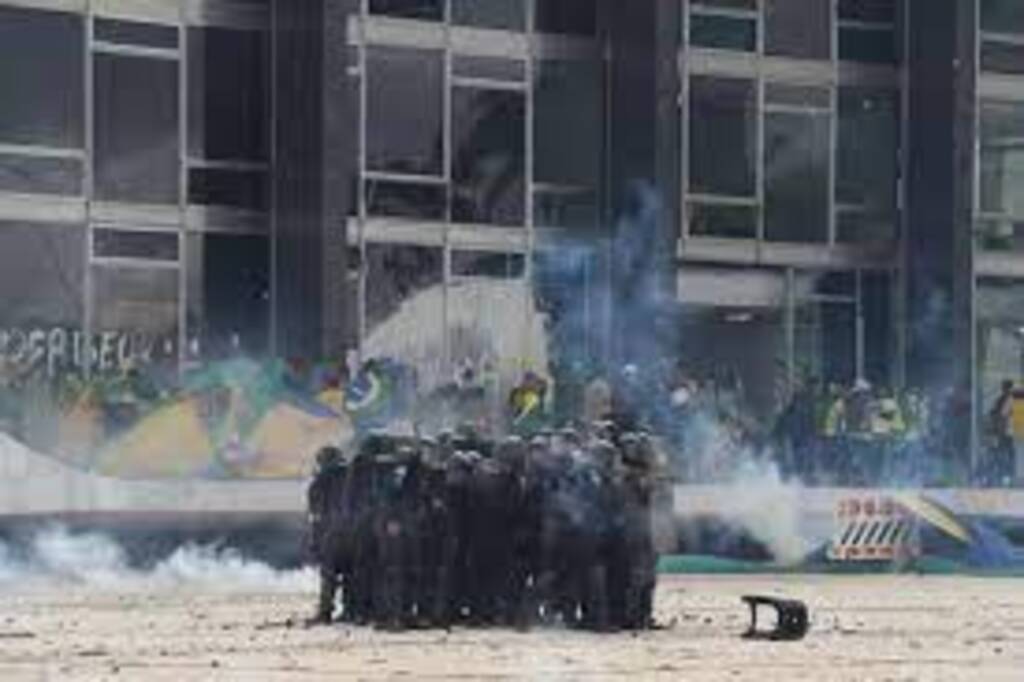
568,143
1002,25
797,151
138,302
867,161
41,88
404,309
405,132
228,125
1001,129
136,131
228,294
41,277
723,157
488,156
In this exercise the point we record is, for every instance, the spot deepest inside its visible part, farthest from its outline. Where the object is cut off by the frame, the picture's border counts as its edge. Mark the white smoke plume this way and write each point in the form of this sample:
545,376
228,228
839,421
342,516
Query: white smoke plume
758,500
752,493
55,557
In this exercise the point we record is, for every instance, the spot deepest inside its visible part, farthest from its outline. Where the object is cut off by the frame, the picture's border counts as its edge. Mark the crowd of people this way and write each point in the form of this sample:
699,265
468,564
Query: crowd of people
859,434
824,433
556,529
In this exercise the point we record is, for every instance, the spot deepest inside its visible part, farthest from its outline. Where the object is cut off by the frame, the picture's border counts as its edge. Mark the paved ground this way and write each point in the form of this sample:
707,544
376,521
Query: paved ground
865,628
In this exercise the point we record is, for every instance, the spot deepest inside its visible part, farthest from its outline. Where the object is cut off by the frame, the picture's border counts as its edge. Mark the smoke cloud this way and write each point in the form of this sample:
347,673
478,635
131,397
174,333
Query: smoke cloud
54,558
755,496
768,507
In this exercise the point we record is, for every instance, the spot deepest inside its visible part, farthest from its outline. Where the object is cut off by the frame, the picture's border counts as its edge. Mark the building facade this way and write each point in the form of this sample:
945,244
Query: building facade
829,183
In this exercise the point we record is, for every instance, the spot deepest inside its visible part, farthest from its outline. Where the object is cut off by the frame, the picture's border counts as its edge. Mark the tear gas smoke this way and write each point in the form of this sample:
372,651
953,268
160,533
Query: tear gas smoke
54,557
760,501
756,496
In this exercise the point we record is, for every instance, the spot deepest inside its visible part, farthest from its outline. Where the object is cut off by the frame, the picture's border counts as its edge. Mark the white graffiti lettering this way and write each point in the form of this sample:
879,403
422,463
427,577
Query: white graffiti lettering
59,349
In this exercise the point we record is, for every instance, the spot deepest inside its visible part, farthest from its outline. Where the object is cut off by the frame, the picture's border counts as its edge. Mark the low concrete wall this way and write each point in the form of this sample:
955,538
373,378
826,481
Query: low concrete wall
38,487
33,484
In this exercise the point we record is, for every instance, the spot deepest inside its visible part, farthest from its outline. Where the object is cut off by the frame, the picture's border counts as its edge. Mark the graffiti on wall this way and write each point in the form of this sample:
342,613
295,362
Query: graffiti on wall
58,350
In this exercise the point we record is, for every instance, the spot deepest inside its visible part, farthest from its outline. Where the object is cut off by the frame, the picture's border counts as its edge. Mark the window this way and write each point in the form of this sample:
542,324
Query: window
228,286
41,276
41,78
725,5
866,165
723,136
227,71
242,189
499,14
796,176
490,329
568,292
136,123
866,31
1001,234
798,28
431,10
575,17
869,11
159,246
490,68
487,264
565,207
568,142
723,32
868,147
723,220
1002,174
488,156
1000,57
139,303
858,226
1002,158
135,33
42,175
868,45
1000,347
404,117
396,199
404,307
41,302
1002,16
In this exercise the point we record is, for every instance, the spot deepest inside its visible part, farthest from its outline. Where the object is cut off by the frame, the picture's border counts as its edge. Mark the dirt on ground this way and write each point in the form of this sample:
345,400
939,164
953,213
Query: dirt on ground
864,628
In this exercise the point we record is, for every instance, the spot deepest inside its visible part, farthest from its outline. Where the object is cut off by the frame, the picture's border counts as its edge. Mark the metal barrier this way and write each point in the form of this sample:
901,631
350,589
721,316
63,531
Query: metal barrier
874,528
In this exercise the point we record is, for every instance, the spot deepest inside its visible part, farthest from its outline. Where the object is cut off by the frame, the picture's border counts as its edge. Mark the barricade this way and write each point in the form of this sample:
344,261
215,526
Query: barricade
873,528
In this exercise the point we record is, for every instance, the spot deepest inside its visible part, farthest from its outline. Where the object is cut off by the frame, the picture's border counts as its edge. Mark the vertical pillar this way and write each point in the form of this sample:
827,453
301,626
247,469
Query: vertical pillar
299,219
939,249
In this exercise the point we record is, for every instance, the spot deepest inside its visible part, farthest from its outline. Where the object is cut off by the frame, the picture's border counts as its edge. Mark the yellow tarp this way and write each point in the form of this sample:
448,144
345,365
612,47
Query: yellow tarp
283,443
171,442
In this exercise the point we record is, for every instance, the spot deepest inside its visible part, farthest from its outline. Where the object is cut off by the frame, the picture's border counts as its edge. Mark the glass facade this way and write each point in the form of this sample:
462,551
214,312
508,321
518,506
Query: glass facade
149,131
1002,24
482,145
798,157
136,132
472,153
41,60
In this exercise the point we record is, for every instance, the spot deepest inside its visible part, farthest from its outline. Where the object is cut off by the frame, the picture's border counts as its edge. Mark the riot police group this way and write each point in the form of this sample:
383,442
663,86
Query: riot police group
459,530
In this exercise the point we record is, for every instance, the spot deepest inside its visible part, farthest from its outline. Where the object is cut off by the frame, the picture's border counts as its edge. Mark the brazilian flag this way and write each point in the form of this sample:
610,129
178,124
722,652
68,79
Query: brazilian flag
369,397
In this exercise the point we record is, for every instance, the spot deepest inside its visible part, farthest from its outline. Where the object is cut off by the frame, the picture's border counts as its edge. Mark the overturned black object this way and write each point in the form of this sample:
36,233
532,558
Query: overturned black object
792,623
